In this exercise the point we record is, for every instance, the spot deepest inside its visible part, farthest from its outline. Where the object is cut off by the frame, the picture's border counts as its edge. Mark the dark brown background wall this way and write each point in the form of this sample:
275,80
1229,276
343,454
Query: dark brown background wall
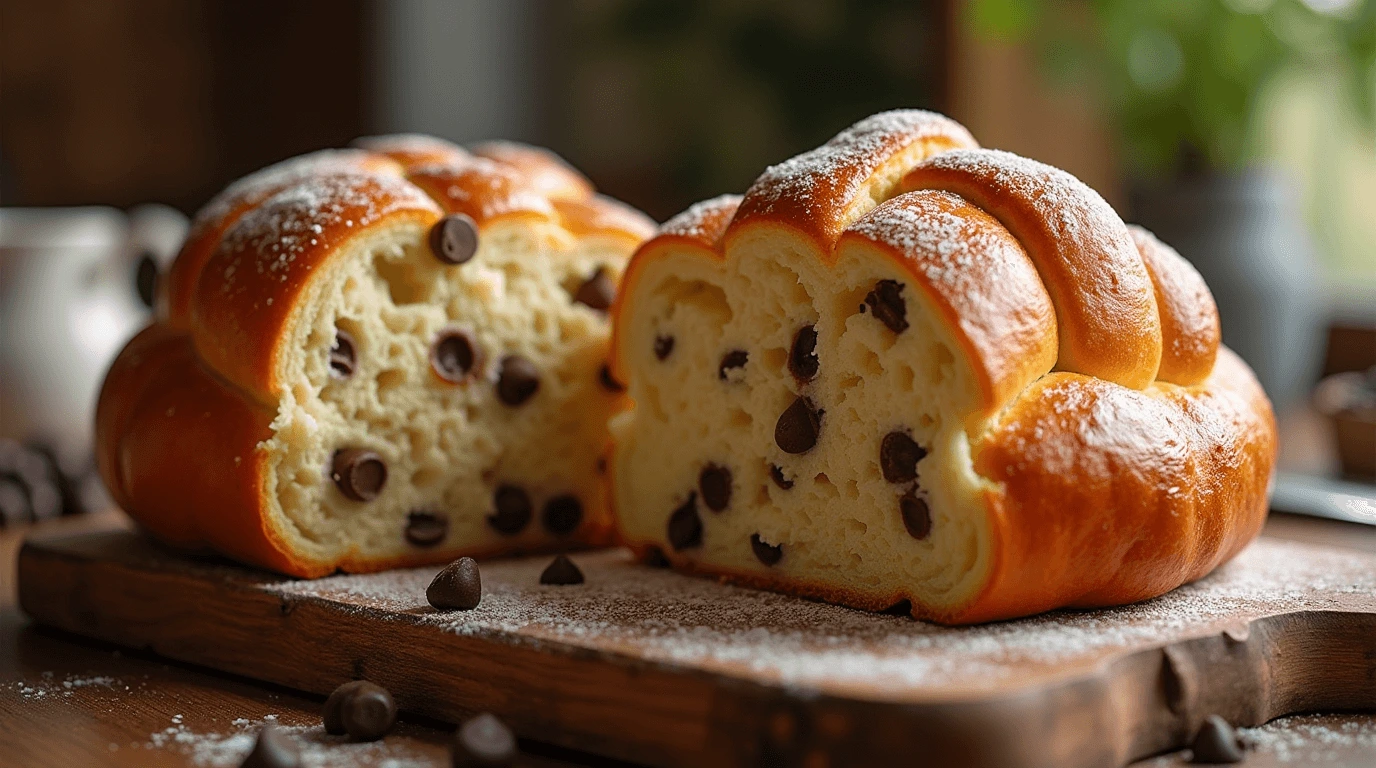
126,101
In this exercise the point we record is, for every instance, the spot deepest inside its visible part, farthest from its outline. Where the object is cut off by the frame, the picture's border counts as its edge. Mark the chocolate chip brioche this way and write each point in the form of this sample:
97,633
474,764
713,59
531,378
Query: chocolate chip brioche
384,355
906,371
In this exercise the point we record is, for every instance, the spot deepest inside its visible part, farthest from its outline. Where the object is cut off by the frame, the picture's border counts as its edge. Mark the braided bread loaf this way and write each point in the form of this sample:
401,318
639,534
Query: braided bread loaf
902,368
377,356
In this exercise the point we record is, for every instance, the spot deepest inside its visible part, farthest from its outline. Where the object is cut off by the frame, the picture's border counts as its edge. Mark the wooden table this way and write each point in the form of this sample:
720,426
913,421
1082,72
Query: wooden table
67,701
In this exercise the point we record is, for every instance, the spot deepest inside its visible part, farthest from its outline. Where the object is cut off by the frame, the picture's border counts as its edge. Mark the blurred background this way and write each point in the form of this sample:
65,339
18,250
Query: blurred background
1241,131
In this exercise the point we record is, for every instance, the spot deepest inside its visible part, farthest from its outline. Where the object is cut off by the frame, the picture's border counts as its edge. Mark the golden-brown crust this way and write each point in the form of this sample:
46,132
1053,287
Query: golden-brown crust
218,215
414,150
189,399
547,172
601,215
1111,495
255,281
821,192
1190,331
1105,307
483,190
1142,466
978,277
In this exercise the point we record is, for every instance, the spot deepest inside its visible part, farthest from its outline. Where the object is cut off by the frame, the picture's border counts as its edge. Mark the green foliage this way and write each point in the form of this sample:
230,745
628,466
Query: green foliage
1183,77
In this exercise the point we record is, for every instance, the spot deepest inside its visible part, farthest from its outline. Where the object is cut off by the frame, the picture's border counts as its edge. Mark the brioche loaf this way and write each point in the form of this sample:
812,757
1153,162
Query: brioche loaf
384,355
906,371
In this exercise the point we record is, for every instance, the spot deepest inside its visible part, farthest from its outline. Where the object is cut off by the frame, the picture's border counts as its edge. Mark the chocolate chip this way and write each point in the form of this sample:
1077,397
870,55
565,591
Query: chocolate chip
598,291
887,302
454,238
514,510
426,529
562,514
368,713
459,586
561,571
715,483
274,748
802,358
330,714
654,557
769,554
917,518
663,346
1216,742
685,527
736,358
898,457
358,472
342,355
517,380
454,355
776,473
798,426
146,279
604,376
484,742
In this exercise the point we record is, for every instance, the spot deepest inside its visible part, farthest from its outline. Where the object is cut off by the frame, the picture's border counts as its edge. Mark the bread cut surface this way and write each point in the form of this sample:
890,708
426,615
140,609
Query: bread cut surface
384,355
903,370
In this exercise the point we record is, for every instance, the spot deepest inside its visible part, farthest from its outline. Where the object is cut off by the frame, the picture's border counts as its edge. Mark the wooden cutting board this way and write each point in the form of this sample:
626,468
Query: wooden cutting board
658,668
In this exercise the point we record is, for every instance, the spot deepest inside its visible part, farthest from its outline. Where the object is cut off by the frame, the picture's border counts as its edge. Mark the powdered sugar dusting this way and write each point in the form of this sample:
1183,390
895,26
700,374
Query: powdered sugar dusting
257,186
49,687
227,749
1304,740
274,234
839,167
954,243
704,221
665,617
1073,213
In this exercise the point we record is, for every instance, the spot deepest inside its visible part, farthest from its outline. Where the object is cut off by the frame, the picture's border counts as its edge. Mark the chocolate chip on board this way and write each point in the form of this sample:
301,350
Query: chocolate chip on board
274,748
1216,742
368,713
459,586
562,572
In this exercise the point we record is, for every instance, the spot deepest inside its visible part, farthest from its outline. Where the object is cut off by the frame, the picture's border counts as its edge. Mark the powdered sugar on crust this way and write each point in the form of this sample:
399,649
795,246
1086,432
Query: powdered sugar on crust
840,167
257,186
703,221
954,244
661,616
269,238
1074,213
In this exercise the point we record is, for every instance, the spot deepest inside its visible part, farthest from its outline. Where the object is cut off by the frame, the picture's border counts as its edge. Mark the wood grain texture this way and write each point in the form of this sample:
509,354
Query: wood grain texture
617,697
